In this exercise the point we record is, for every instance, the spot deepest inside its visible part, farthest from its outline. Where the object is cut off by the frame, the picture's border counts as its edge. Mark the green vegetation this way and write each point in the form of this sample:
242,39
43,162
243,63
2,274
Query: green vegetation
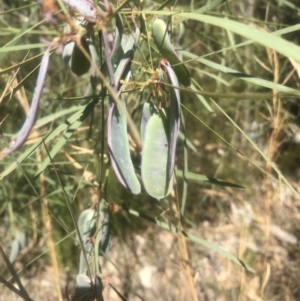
163,161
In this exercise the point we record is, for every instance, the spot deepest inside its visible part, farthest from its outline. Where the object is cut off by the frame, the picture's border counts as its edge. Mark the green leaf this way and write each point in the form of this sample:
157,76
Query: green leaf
209,6
8,47
70,126
21,47
188,142
81,112
245,77
197,178
278,44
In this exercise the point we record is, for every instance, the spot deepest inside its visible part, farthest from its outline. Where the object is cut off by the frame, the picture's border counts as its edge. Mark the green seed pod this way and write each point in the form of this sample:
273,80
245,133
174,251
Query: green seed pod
16,245
173,116
181,34
155,157
86,224
123,63
83,288
104,234
166,49
85,216
94,57
119,148
117,50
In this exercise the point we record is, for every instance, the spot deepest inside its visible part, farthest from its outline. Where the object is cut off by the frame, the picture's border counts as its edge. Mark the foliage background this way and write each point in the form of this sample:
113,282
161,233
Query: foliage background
260,224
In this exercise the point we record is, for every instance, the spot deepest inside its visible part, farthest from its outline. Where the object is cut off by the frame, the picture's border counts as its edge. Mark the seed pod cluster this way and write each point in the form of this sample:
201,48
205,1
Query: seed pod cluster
160,121
160,117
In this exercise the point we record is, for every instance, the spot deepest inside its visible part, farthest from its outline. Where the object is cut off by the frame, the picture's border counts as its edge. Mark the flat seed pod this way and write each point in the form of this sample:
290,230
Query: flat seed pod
82,280
16,245
94,56
83,264
14,250
119,149
68,51
128,45
30,119
104,233
146,114
79,63
174,117
116,52
165,47
87,213
155,157
83,290
175,93
181,34
88,226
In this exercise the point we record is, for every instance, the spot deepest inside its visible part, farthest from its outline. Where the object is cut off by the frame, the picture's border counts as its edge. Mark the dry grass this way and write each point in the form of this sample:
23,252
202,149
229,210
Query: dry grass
152,265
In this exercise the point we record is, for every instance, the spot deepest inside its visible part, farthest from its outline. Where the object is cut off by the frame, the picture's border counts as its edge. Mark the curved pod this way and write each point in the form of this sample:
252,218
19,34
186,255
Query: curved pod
30,119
